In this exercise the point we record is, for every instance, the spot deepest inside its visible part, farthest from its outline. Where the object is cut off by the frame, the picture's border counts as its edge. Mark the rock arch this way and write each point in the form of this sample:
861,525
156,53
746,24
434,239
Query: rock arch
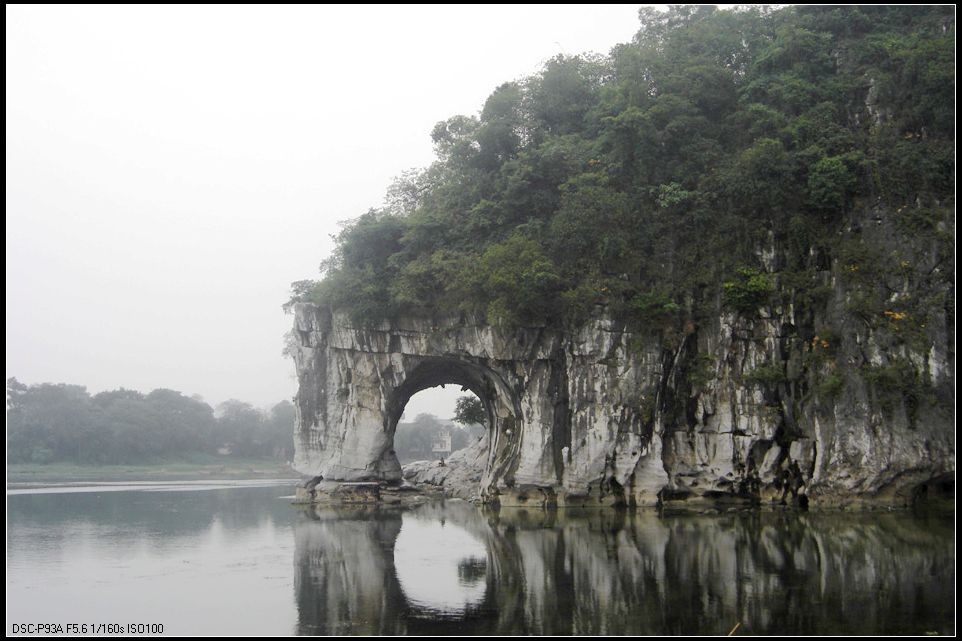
561,423
501,404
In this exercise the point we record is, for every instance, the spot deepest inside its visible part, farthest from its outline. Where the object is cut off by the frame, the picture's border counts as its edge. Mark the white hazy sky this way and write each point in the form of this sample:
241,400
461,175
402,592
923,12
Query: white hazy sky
171,170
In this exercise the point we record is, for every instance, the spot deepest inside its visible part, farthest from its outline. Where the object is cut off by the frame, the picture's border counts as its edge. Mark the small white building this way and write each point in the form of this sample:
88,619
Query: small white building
441,446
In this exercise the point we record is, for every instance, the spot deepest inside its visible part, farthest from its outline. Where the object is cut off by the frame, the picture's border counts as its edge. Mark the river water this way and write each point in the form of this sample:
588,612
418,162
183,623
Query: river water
235,557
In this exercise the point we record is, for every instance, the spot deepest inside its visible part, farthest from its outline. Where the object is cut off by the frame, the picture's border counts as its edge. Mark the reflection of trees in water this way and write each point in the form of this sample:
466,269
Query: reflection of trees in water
472,570
166,519
618,572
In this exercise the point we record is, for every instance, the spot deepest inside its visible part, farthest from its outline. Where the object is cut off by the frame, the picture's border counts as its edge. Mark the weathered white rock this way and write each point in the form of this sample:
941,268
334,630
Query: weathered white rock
602,415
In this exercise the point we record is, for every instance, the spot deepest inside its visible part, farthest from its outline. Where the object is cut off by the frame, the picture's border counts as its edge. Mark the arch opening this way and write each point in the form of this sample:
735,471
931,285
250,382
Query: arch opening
498,406
432,426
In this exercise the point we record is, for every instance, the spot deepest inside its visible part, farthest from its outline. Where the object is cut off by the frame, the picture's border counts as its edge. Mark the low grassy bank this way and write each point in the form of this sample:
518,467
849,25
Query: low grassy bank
200,469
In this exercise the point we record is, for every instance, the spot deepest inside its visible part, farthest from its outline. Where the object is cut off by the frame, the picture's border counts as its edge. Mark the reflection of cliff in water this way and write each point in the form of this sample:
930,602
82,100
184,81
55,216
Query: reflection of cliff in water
344,577
618,572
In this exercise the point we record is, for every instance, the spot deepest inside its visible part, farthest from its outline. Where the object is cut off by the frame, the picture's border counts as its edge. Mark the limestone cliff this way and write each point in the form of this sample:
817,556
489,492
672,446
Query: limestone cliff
604,414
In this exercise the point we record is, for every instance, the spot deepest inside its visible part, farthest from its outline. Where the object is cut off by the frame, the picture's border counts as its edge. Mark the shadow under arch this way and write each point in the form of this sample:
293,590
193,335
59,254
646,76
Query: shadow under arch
502,407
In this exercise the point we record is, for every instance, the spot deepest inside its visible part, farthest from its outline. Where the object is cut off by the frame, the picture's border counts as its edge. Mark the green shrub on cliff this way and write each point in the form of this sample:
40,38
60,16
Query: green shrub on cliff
750,289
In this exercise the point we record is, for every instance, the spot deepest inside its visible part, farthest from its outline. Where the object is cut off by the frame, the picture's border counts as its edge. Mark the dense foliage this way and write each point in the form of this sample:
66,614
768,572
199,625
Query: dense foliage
648,180
469,410
48,423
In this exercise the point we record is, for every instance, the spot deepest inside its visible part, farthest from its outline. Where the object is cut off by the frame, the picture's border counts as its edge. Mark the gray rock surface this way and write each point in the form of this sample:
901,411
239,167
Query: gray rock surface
459,476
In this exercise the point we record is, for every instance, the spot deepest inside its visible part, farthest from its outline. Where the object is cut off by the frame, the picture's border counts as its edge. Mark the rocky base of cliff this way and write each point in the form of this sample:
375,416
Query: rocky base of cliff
317,491
457,477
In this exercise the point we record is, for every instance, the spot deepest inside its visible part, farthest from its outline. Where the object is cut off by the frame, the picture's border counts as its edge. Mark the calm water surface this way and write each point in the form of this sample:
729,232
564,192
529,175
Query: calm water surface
236,558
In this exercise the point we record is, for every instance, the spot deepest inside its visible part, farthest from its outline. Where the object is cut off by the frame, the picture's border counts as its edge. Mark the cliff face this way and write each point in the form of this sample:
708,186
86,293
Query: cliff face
604,415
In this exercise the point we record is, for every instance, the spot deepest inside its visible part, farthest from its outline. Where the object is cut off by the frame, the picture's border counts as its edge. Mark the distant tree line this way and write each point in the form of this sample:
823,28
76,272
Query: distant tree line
49,423
414,441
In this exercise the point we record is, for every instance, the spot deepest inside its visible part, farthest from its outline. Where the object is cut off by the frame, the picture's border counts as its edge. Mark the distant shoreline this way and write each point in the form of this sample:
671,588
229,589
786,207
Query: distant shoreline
171,471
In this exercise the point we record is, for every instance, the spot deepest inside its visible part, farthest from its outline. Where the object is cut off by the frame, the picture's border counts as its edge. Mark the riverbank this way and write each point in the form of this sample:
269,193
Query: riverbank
167,471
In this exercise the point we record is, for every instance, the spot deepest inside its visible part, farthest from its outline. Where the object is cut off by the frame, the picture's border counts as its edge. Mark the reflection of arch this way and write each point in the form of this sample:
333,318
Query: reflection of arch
346,582
441,567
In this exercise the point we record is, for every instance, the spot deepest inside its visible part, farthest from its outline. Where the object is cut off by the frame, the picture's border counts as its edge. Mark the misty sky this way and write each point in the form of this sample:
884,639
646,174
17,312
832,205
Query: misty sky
171,170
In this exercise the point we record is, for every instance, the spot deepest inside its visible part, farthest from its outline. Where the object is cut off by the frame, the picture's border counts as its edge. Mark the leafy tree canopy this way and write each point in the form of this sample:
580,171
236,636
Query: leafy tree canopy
645,181
469,411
